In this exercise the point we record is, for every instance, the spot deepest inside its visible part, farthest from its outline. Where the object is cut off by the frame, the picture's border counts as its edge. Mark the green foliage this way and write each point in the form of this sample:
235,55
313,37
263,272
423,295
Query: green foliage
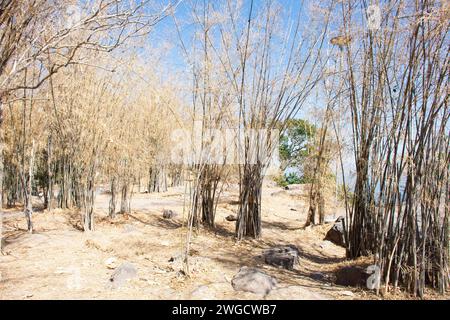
294,142
290,178
281,181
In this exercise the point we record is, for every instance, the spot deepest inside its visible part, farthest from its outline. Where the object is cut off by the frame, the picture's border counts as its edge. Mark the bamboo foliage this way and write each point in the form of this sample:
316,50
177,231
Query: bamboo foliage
398,100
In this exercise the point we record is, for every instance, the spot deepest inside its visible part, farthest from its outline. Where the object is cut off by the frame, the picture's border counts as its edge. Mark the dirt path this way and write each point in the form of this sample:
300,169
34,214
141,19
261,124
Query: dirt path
61,262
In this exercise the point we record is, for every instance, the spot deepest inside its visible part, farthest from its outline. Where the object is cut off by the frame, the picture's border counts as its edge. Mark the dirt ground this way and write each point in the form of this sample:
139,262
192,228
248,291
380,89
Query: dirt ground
59,261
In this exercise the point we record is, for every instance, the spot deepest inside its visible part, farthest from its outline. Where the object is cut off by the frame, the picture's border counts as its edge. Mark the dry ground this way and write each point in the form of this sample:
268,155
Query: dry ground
59,261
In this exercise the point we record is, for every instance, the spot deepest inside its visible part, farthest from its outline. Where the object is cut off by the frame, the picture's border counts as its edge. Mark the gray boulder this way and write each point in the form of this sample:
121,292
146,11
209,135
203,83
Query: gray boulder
336,233
169,214
253,280
122,274
282,256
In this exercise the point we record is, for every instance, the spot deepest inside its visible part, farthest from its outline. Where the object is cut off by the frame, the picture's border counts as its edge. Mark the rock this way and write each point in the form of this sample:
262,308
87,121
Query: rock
231,217
347,293
169,214
336,233
319,276
286,188
203,293
253,280
282,256
27,295
196,263
296,186
176,258
180,274
111,263
293,209
150,282
60,270
353,276
123,273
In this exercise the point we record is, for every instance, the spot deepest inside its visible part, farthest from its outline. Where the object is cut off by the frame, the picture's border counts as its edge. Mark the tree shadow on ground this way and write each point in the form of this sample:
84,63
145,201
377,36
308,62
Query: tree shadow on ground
318,258
250,253
158,222
166,223
153,220
283,276
20,235
221,231
280,226
74,220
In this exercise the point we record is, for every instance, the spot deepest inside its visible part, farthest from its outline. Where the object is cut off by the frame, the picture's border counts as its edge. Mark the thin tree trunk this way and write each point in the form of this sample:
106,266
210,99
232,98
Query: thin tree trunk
28,193
49,174
125,198
89,198
112,201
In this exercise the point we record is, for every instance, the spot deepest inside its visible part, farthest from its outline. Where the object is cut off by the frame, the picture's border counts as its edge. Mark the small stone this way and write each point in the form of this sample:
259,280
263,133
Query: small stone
28,295
319,276
111,263
60,270
231,217
181,274
169,214
347,293
164,243
176,257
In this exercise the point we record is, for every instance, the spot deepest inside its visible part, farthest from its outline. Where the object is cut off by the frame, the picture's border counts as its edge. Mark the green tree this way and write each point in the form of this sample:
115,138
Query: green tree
295,142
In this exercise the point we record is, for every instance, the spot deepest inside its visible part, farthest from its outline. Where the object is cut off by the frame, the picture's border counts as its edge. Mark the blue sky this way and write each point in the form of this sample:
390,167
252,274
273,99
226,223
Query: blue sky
174,59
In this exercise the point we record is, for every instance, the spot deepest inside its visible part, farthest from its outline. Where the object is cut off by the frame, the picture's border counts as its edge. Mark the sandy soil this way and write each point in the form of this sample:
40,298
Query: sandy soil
59,261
